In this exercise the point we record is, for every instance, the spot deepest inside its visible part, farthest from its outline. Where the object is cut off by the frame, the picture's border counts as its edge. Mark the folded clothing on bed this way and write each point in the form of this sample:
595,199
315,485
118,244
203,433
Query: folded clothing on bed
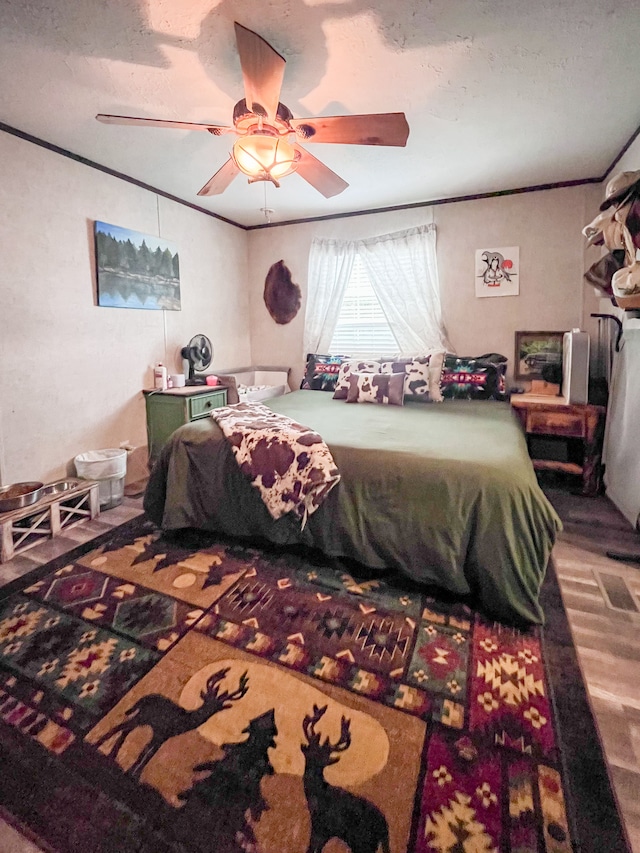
289,464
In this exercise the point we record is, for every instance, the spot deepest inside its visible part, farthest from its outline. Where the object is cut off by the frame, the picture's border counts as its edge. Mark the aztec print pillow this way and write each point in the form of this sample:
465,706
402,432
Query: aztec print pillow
474,378
385,388
321,372
347,368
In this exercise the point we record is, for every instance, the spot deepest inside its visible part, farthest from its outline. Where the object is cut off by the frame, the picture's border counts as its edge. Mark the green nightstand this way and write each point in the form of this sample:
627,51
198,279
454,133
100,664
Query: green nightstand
168,410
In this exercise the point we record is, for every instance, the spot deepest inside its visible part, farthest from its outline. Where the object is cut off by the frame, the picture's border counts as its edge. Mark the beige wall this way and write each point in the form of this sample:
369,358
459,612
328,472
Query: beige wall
545,225
594,299
71,373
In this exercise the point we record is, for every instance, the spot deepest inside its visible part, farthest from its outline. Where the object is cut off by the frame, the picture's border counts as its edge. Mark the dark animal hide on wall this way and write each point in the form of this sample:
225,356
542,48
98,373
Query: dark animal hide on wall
281,296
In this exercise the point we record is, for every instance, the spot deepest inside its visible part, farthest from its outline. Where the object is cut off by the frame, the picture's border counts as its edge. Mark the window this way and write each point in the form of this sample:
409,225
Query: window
375,296
362,329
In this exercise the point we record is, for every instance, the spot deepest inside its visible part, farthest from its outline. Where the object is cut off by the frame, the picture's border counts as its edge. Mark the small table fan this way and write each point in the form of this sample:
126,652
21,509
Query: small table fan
198,354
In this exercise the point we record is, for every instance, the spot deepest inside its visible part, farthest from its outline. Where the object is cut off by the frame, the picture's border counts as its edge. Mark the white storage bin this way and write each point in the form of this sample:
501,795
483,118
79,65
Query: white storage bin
109,468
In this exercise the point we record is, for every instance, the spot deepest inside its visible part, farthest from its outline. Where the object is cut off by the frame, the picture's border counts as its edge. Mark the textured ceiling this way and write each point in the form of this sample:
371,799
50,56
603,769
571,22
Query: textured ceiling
499,94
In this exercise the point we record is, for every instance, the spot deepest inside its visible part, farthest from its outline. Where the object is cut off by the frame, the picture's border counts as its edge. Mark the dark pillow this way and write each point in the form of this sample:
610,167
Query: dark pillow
474,377
321,372
349,367
493,357
385,388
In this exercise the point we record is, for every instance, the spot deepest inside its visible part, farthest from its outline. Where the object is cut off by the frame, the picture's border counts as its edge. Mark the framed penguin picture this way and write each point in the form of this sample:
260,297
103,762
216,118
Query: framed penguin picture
498,271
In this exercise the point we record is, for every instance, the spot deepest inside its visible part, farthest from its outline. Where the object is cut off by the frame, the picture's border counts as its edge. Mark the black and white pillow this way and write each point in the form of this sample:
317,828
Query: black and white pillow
416,382
384,388
422,375
347,368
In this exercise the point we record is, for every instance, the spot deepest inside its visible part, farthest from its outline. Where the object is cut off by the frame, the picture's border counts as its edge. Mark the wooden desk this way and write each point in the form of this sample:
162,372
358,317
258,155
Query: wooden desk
541,415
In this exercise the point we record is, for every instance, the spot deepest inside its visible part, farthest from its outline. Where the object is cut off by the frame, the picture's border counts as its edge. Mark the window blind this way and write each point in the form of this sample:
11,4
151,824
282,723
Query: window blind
362,330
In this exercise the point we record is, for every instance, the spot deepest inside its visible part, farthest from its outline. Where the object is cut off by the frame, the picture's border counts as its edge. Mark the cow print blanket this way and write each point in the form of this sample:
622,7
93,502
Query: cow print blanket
289,464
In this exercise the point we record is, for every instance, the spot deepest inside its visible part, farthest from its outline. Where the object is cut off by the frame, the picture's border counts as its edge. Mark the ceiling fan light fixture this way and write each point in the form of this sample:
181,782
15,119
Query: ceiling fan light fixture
263,157
267,147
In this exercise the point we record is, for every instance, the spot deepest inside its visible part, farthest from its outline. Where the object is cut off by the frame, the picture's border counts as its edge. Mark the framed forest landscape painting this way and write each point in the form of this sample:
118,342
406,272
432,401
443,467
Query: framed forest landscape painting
136,270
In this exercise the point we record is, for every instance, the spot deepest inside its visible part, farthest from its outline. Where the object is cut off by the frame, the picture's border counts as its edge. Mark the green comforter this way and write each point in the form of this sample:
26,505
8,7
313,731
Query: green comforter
444,492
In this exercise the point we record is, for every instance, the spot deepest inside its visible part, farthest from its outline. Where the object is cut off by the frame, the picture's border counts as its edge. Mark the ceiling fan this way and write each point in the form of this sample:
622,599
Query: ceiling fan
267,147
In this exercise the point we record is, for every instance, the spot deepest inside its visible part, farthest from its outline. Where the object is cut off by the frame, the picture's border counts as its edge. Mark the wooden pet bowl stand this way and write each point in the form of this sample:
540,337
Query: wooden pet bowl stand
21,529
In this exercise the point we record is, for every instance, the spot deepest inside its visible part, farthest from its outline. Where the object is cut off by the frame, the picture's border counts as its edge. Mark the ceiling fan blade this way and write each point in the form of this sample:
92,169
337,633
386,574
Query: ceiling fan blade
216,129
221,180
373,129
262,72
318,175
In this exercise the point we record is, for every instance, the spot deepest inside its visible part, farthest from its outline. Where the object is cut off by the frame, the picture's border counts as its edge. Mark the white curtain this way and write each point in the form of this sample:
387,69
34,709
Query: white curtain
330,266
403,273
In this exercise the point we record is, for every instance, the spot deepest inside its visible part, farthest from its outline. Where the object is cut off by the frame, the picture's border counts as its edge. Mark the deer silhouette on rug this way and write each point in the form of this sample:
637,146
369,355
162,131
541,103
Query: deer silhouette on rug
336,813
167,719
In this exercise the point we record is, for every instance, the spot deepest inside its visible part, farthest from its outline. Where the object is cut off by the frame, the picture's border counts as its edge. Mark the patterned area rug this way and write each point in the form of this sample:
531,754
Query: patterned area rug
162,695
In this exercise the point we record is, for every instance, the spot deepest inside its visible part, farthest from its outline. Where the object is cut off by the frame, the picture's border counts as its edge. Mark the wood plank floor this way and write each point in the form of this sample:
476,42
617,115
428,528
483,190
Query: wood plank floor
602,597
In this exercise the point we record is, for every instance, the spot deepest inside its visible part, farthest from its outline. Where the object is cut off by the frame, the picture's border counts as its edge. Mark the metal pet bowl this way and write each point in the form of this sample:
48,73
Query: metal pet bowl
60,486
18,495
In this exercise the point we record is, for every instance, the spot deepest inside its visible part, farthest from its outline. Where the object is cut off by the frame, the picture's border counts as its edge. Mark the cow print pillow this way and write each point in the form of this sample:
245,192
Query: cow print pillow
347,368
416,381
385,388
394,365
422,375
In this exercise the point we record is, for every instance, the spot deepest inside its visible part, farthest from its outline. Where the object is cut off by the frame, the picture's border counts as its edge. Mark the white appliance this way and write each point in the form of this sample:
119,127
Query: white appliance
575,366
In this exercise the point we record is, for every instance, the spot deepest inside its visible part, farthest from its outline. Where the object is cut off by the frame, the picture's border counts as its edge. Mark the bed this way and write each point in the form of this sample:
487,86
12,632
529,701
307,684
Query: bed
445,493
